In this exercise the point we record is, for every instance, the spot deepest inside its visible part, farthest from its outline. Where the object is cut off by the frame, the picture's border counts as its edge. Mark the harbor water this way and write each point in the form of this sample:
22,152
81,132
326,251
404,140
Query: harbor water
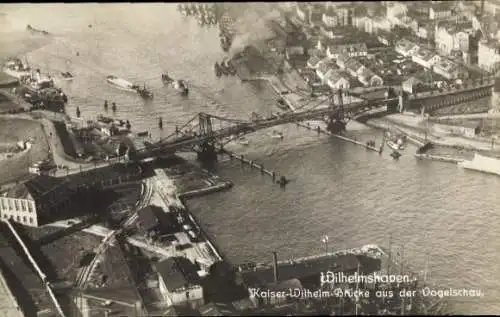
435,211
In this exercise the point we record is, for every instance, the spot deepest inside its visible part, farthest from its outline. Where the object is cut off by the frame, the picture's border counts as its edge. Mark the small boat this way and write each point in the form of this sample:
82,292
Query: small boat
181,86
282,104
16,68
277,135
144,93
243,141
230,67
217,68
36,31
166,79
395,154
121,83
224,68
395,145
66,75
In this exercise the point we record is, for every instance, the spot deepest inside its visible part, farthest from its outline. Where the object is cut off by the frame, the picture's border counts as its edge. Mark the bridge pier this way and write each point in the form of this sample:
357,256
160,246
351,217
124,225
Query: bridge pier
207,153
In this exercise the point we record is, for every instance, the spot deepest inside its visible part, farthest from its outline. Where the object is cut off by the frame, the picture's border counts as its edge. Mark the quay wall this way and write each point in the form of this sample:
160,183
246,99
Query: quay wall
168,193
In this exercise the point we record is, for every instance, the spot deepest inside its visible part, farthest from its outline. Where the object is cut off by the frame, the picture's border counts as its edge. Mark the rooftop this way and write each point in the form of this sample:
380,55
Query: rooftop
425,54
285,285
353,64
34,188
217,309
147,217
177,273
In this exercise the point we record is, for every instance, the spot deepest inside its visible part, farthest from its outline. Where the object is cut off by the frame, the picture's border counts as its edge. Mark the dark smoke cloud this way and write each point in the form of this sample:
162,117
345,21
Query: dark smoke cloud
251,25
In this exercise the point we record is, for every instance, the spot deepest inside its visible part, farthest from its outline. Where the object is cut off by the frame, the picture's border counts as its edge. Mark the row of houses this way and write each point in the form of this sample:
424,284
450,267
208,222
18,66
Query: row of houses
337,74
431,60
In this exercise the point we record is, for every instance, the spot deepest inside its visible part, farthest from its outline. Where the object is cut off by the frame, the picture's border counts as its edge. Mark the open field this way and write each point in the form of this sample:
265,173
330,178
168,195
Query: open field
13,130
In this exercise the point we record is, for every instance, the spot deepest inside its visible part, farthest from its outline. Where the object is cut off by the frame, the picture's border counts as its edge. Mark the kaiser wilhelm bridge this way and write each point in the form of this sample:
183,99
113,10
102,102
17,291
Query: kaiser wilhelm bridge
205,132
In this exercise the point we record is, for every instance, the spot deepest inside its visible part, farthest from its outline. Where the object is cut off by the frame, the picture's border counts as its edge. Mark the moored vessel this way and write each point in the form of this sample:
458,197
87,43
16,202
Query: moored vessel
166,79
16,68
243,141
217,69
67,76
182,87
121,83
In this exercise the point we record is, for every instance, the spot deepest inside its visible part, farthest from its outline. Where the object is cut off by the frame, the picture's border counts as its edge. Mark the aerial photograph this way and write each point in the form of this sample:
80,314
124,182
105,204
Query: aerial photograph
250,159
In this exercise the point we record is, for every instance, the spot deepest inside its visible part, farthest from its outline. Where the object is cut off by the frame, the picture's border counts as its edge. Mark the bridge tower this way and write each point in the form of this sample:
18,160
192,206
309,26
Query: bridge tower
207,151
337,122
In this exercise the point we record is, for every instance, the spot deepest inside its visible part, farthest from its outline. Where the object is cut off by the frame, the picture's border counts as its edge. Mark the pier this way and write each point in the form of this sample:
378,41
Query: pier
252,164
340,137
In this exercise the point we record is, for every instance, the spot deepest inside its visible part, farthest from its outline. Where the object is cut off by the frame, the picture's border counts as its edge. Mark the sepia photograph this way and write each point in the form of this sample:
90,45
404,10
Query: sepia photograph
249,158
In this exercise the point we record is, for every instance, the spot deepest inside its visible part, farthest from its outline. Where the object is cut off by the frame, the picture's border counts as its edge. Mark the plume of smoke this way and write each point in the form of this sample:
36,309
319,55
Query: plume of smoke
252,26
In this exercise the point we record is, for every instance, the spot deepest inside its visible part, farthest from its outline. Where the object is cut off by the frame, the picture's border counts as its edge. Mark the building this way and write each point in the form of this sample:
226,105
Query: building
330,18
369,78
395,9
354,68
411,85
425,58
179,282
313,62
302,12
350,50
492,6
450,70
381,24
315,16
323,68
343,12
341,61
293,52
36,201
489,55
107,176
440,10
336,80
406,48
364,24
386,38
453,37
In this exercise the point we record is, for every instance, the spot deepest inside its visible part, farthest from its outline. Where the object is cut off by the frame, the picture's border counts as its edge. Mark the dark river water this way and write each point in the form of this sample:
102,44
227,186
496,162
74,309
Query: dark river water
435,211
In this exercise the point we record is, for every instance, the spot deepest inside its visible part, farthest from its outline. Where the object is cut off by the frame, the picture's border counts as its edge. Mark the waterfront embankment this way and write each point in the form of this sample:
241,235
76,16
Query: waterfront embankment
416,127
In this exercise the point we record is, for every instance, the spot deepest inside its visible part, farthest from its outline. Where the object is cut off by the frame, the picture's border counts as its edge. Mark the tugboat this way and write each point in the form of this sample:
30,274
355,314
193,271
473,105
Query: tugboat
282,104
217,68
395,154
224,68
181,86
225,43
243,141
230,67
144,93
277,135
67,76
16,68
166,79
